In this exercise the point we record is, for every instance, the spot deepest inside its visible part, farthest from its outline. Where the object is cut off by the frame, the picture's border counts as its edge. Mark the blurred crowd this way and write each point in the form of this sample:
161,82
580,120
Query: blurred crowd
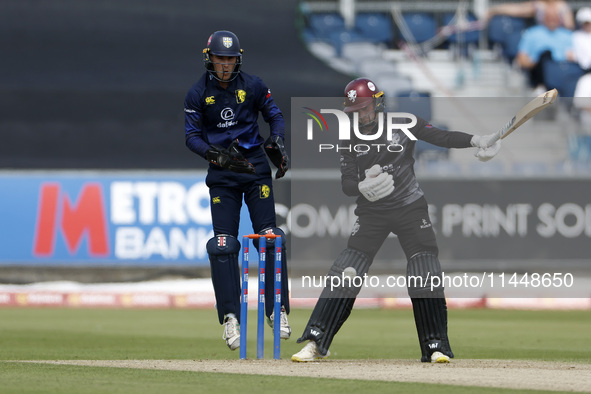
559,35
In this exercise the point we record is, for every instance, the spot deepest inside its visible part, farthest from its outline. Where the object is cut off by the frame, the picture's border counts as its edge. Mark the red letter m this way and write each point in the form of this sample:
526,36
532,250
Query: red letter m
87,216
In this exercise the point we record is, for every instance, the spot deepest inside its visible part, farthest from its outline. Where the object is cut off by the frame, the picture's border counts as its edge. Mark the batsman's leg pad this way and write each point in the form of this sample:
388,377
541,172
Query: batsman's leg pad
429,306
270,272
223,253
423,276
336,300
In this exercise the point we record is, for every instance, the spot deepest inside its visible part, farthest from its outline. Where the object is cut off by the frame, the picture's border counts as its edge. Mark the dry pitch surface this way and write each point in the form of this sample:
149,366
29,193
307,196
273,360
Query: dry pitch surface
534,375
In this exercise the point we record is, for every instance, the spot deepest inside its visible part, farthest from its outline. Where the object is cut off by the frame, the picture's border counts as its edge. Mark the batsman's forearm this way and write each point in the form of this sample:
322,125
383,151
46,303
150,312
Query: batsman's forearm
445,139
350,187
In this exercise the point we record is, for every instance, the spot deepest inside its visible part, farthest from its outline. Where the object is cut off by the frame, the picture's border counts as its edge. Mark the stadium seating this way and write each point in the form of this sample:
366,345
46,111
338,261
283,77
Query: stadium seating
511,45
422,26
322,25
500,26
505,31
415,102
419,104
374,66
561,75
339,37
330,28
363,54
375,27
469,37
392,84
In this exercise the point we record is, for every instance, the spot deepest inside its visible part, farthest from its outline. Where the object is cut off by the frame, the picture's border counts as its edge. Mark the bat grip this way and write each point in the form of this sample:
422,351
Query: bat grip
499,135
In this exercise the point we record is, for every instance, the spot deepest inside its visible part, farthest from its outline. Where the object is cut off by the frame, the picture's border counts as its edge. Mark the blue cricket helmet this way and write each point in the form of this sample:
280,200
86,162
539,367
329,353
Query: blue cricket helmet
222,43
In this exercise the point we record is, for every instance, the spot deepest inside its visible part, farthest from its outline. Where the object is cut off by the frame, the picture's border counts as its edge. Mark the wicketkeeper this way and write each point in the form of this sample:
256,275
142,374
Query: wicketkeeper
389,200
221,113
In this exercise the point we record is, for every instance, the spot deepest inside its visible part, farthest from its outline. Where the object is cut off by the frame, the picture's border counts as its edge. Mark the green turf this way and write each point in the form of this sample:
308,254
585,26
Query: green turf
52,334
37,378
474,334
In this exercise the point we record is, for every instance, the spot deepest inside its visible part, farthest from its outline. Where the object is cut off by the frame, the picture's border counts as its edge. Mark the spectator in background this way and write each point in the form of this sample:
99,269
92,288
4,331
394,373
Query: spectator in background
582,39
581,146
537,10
546,41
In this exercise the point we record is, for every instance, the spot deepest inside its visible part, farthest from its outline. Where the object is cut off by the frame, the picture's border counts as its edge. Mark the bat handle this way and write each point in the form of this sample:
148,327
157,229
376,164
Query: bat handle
496,137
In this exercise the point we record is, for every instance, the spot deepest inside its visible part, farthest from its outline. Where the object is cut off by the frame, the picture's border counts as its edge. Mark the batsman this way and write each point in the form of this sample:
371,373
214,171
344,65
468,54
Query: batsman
221,114
389,200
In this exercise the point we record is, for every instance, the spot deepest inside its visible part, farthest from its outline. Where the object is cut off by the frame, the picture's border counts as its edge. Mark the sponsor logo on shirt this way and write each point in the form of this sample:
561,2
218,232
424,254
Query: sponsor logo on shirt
227,114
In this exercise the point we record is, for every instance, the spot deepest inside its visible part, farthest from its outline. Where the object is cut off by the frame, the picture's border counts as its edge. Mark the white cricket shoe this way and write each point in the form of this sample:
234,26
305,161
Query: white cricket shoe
440,358
232,332
284,329
308,353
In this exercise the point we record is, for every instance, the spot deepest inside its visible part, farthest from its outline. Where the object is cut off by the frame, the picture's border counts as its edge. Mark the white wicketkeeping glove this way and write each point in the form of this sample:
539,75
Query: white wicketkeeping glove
376,184
485,154
484,141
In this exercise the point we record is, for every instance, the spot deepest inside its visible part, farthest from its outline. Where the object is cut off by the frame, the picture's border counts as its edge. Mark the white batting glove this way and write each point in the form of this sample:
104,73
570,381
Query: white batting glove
373,171
375,187
484,141
485,154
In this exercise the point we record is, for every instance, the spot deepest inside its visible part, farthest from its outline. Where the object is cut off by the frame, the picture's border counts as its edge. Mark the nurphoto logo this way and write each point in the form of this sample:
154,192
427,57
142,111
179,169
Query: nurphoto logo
395,121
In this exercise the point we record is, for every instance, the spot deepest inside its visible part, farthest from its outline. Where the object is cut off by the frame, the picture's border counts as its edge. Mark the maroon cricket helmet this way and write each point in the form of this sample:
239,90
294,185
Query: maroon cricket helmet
362,92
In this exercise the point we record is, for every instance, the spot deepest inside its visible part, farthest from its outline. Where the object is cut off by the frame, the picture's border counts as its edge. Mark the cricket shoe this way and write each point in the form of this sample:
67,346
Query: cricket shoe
440,358
284,328
308,353
232,332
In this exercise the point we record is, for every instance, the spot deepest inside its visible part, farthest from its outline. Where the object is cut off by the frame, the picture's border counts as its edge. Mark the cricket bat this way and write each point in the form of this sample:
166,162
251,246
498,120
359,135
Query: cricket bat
528,111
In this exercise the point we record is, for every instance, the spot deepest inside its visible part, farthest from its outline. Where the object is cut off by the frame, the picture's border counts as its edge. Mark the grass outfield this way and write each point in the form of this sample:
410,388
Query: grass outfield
119,334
